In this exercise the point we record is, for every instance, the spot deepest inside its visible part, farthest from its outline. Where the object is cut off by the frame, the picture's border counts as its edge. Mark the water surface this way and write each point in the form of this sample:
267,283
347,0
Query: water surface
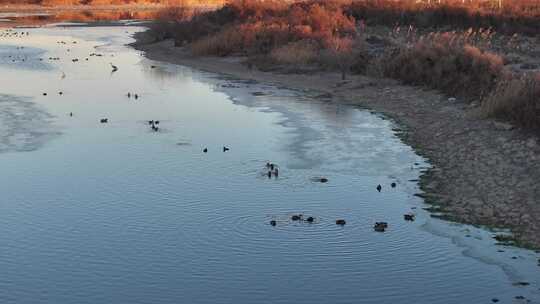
117,213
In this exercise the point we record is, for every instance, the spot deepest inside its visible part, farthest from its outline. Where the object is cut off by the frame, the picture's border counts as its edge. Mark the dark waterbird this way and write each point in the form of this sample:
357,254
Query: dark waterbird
225,149
273,223
409,217
114,68
380,226
205,150
341,222
310,219
379,188
104,120
296,217
393,185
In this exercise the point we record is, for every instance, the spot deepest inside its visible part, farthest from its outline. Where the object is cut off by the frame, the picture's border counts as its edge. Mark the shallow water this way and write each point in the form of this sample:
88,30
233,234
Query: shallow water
116,213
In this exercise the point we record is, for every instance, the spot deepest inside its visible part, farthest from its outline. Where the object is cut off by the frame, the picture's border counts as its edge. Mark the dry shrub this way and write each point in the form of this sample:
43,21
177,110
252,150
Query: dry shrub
444,62
516,99
223,43
266,25
298,53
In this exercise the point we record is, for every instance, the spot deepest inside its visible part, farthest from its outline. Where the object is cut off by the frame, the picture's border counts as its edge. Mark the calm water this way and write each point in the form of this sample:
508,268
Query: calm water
116,213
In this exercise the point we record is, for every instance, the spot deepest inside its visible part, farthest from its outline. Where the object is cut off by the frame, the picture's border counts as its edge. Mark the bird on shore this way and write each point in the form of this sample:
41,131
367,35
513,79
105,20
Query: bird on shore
129,95
114,68
136,96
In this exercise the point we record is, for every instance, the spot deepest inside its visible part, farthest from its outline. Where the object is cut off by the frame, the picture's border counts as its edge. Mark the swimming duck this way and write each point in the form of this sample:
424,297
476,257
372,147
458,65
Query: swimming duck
296,217
310,219
393,185
408,217
104,120
205,150
273,223
380,226
225,149
340,222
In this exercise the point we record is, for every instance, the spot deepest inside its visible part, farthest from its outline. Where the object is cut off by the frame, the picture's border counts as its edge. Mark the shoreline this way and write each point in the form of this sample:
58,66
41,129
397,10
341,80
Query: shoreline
483,172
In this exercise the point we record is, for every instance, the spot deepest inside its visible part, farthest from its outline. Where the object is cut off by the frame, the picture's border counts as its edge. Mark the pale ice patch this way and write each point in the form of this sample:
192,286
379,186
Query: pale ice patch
24,125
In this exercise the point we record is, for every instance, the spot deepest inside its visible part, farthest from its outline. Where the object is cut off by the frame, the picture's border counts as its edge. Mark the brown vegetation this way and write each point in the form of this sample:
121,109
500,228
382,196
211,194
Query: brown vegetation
332,35
516,99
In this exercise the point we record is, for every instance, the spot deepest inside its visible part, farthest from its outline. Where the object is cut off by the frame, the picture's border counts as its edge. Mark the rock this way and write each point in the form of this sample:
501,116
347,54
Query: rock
502,126
475,203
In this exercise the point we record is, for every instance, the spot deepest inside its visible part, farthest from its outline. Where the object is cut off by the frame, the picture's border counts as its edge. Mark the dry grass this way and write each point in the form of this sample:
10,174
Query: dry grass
516,16
444,61
226,42
516,99
301,52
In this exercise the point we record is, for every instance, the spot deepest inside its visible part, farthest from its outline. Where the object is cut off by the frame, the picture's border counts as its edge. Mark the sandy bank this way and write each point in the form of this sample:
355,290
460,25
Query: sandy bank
484,172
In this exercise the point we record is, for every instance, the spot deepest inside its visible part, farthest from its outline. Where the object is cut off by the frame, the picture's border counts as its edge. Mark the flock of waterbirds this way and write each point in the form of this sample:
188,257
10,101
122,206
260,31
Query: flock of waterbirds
271,169
10,33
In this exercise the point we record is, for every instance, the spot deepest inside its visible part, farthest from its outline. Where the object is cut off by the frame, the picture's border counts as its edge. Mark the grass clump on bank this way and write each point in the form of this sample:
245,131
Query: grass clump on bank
516,99
447,62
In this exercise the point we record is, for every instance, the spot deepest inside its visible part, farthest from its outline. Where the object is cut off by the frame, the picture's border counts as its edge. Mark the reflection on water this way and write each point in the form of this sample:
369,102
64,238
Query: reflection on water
117,213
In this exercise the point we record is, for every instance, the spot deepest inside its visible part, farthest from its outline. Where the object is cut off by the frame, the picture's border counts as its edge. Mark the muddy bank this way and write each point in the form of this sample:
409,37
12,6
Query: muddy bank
484,172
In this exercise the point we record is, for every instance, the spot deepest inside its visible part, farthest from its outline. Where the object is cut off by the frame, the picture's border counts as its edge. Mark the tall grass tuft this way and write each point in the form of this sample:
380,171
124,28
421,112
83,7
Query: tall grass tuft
516,99
444,61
